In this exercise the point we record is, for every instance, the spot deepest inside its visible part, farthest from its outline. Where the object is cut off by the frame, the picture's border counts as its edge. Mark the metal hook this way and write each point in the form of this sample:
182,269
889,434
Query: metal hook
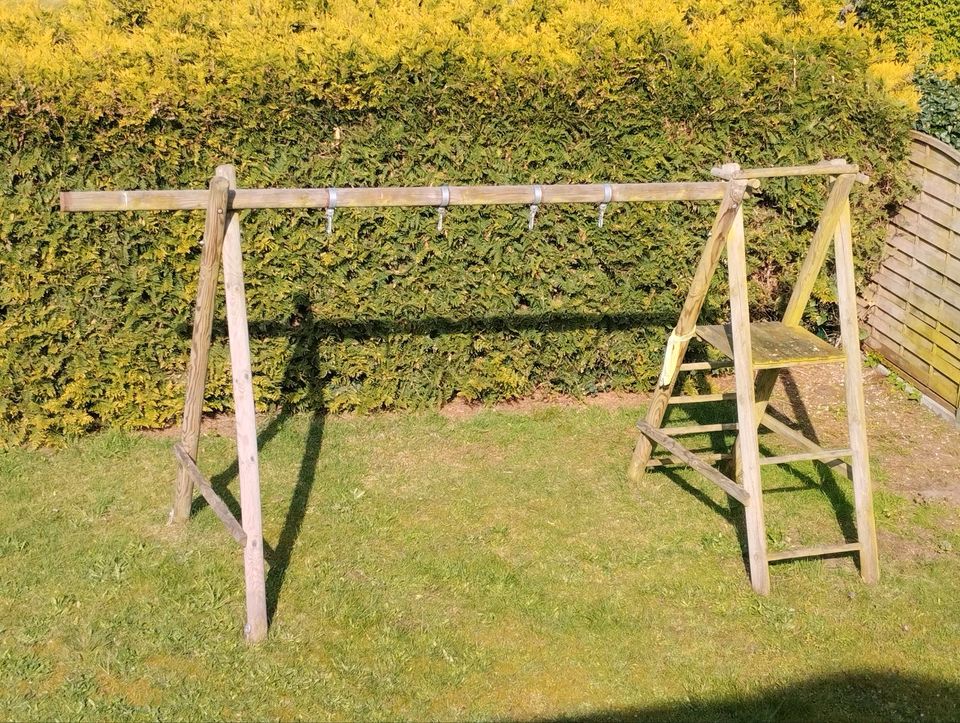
535,206
442,210
331,205
607,197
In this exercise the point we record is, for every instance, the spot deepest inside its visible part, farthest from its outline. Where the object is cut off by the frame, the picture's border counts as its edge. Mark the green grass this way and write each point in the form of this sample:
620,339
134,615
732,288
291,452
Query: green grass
497,566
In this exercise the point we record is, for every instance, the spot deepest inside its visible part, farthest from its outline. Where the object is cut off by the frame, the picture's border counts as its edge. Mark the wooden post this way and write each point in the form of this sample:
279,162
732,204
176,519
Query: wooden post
249,470
856,411
748,446
200,343
687,322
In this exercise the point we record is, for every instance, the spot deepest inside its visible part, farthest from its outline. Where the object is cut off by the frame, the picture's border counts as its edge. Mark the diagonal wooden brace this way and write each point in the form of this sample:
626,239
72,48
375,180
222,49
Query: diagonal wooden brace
687,323
216,503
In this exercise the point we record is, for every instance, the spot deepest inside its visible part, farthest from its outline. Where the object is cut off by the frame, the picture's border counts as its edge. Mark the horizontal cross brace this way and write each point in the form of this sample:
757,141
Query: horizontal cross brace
824,454
217,504
691,460
699,398
670,461
835,167
821,551
243,198
706,365
699,429
778,427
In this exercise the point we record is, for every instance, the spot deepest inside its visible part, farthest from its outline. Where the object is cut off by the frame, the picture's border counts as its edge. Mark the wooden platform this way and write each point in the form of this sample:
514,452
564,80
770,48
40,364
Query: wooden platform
774,344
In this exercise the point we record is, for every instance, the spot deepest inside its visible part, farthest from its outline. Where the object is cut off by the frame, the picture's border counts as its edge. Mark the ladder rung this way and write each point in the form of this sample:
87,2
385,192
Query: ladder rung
704,366
697,398
699,429
670,460
821,551
823,454
778,427
671,445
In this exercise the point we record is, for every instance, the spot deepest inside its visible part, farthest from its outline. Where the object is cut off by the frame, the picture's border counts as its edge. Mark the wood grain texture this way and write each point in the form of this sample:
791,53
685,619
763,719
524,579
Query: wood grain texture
698,429
775,345
255,629
250,198
787,432
802,289
691,460
671,461
856,409
748,451
200,343
730,207
913,318
216,503
825,454
833,167
818,551
701,398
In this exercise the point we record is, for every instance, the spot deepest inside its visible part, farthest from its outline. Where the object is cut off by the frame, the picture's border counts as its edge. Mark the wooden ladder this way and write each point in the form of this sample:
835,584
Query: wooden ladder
757,352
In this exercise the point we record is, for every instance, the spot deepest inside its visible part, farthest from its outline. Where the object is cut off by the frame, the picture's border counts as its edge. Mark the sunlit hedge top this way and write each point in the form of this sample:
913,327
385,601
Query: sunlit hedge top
95,309
147,58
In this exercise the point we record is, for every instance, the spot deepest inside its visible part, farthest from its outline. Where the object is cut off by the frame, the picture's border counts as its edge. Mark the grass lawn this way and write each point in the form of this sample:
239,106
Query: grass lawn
494,564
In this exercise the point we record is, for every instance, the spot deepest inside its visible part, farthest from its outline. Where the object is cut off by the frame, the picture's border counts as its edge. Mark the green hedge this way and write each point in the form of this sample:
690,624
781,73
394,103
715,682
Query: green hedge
930,27
95,309
939,107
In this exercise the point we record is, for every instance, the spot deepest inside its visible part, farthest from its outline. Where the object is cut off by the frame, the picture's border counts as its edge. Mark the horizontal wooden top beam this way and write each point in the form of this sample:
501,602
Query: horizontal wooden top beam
833,167
244,198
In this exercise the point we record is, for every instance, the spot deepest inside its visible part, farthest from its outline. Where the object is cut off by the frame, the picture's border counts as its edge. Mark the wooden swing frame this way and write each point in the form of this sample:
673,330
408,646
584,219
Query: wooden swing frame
222,244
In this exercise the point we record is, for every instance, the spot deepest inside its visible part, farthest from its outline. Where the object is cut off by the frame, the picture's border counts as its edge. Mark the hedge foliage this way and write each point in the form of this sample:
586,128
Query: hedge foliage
940,107
929,30
95,309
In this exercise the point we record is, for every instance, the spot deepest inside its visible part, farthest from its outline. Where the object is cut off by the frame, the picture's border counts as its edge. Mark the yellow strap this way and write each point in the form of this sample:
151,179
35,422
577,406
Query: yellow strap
671,357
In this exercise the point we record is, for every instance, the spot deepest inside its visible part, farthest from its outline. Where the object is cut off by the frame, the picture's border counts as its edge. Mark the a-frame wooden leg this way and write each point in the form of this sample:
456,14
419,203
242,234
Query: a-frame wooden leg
766,380
686,324
856,411
247,458
747,443
200,344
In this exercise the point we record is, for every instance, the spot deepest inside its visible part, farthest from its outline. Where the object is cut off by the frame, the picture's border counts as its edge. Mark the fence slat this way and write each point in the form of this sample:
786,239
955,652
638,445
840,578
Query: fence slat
913,308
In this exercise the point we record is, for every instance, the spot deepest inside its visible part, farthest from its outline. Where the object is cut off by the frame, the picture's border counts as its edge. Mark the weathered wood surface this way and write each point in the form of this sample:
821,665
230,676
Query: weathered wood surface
856,408
818,551
706,365
247,198
748,445
803,285
912,307
689,458
200,343
834,167
775,345
246,423
699,429
826,454
730,208
701,398
671,461
188,463
787,432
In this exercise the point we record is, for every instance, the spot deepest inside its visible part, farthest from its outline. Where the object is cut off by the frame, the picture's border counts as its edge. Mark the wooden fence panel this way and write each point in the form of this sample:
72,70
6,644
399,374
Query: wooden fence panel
912,307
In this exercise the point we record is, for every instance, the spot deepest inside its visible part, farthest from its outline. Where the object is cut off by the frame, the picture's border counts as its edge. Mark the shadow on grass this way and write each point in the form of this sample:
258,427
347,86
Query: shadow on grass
305,337
719,442
852,696
303,379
